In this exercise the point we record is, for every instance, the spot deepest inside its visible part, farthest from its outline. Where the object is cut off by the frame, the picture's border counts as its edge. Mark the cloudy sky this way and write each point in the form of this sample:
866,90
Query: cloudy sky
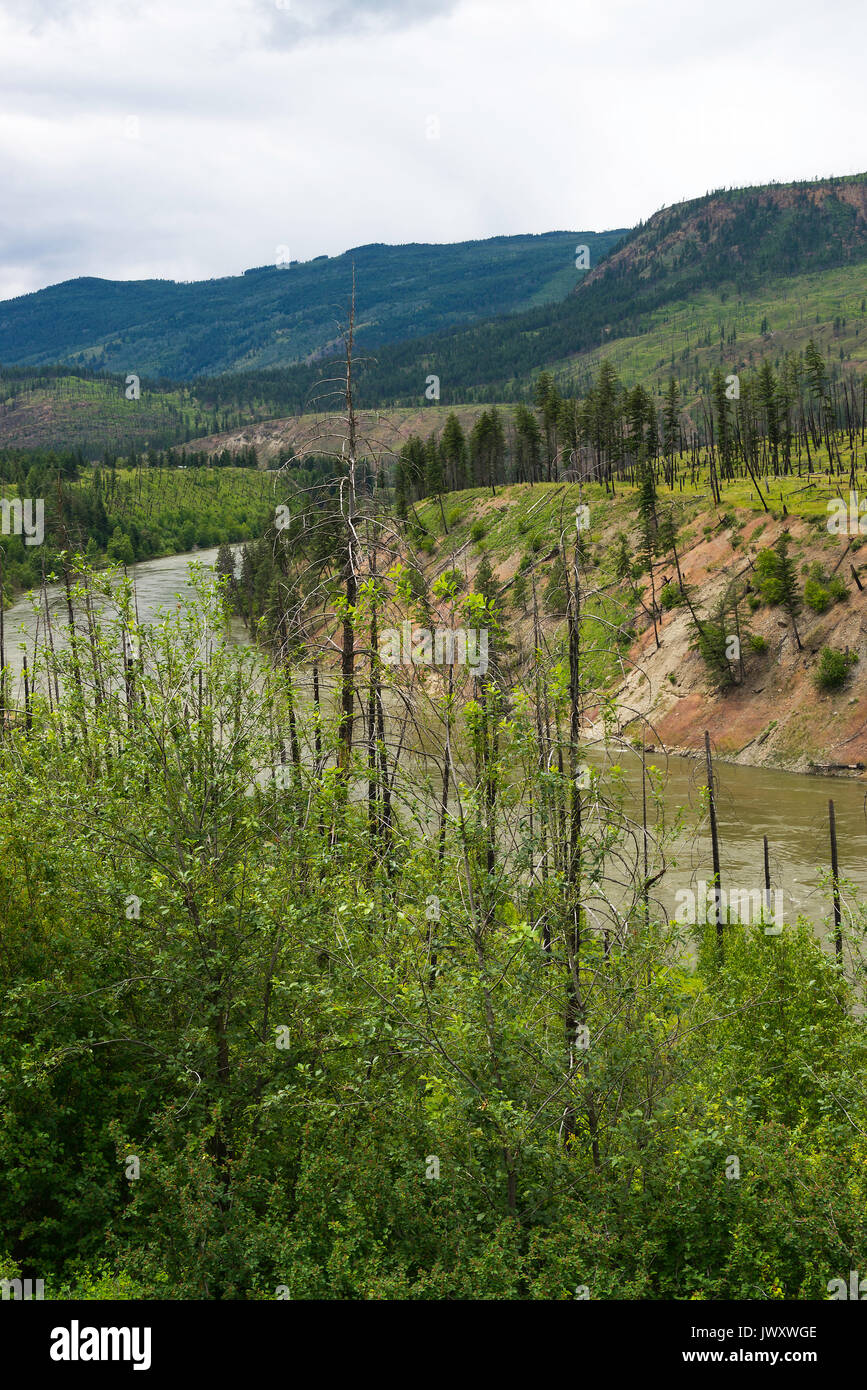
192,138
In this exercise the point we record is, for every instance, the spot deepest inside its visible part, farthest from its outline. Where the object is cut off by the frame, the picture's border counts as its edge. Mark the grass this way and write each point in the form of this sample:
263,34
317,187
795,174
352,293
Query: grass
722,328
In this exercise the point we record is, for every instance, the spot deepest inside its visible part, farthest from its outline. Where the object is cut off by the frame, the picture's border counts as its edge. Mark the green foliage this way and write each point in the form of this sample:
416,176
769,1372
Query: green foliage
126,514
816,596
833,668
285,1037
273,316
555,595
768,576
448,584
710,641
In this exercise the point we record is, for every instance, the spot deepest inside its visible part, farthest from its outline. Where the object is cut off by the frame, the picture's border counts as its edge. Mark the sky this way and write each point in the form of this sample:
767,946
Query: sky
186,139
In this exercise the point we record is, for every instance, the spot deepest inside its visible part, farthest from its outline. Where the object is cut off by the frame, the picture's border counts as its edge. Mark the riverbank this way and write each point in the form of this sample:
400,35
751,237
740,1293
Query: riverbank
773,713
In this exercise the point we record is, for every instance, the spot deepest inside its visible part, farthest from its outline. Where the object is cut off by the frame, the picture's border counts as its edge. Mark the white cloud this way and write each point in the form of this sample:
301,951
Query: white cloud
307,126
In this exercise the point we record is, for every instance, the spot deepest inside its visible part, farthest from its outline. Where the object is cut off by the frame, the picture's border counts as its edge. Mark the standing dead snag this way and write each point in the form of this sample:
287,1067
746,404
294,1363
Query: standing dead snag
838,932
575,1006
348,511
714,839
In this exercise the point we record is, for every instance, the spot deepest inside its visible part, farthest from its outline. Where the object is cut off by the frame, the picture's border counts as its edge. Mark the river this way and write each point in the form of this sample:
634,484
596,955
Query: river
790,808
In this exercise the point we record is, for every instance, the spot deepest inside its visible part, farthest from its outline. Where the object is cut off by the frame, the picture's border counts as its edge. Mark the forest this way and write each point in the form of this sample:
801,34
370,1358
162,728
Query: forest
158,504
326,976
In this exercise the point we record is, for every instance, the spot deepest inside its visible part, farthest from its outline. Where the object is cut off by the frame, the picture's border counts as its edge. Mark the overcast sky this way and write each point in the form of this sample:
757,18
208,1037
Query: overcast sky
192,138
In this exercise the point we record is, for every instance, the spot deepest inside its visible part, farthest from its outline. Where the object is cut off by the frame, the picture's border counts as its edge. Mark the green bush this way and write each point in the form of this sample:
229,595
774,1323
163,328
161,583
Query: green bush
837,588
447,584
816,596
478,531
757,643
768,578
833,668
670,595
555,597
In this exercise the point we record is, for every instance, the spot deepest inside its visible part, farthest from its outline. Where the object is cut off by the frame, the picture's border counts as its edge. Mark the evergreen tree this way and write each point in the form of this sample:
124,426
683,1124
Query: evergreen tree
453,447
671,425
623,558
548,402
723,423
433,476
769,400
790,598
528,442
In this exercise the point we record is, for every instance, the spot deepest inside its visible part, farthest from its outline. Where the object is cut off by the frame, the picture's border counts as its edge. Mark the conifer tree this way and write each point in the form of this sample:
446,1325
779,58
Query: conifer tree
453,447
790,597
433,476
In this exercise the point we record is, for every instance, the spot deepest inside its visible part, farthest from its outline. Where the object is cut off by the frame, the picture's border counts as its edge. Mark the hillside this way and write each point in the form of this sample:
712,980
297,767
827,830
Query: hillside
740,247
776,716
720,281
281,314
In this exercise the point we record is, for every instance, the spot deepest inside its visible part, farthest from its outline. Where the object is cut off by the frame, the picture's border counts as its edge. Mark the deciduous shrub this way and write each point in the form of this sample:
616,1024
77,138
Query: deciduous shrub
834,666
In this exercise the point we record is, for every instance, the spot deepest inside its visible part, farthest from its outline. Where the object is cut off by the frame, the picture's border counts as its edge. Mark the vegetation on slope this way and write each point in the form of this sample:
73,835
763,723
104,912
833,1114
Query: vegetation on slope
284,313
281,1018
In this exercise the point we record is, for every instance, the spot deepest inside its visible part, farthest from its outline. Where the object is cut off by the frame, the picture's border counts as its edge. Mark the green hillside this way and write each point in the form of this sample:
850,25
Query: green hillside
276,315
724,281
689,337
737,246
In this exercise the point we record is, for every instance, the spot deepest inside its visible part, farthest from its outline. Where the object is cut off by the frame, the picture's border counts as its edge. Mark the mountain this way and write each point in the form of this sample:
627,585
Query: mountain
738,246
278,315
723,280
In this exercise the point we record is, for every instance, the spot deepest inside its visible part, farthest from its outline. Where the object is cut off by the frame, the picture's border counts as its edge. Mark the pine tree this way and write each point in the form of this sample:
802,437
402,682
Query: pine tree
787,574
433,476
636,403
486,585
225,565
769,400
414,458
647,501
671,424
623,558
528,441
548,402
723,423
453,447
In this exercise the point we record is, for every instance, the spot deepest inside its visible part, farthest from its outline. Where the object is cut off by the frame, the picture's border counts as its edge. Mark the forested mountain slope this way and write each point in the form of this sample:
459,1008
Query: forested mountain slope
288,312
732,244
